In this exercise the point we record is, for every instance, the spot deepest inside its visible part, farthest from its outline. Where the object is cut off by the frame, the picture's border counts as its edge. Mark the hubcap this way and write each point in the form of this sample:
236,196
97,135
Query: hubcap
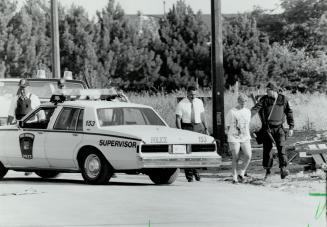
92,166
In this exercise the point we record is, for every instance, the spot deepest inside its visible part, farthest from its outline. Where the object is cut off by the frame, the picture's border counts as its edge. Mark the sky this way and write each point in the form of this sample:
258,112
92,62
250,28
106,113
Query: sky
157,6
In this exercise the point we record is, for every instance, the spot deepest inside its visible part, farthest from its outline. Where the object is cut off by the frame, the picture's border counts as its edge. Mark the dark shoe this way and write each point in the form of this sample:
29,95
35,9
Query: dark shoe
197,178
284,173
235,182
190,180
268,174
241,179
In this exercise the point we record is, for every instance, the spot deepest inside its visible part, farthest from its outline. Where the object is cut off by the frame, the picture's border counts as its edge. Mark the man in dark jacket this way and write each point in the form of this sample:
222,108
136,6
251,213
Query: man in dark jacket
272,109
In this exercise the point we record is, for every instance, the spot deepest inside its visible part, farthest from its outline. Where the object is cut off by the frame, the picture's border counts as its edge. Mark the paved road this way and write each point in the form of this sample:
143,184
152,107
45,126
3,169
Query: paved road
134,201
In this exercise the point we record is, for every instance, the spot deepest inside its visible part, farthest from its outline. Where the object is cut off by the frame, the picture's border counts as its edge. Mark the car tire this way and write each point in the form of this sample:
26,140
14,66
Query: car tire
95,169
3,170
47,174
163,176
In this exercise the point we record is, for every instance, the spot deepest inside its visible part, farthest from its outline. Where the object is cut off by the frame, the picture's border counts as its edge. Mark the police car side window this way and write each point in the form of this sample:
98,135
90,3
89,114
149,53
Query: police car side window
74,118
80,121
40,118
133,116
67,119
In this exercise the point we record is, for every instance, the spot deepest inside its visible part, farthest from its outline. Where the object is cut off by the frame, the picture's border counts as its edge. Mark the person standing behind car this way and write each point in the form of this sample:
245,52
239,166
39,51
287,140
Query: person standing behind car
238,133
273,108
190,115
22,103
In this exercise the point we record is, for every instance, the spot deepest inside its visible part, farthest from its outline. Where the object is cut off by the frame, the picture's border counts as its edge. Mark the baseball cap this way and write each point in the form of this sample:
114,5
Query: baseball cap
23,83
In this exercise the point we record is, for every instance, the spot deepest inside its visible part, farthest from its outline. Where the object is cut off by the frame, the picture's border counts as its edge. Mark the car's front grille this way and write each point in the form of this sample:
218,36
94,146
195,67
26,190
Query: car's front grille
203,147
154,148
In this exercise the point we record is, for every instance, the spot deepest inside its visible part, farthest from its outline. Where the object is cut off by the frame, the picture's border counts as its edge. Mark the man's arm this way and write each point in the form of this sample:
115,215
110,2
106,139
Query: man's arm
35,102
289,117
178,121
204,122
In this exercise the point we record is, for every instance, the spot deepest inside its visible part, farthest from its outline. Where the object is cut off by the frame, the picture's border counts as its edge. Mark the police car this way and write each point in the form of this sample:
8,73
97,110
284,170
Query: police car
100,137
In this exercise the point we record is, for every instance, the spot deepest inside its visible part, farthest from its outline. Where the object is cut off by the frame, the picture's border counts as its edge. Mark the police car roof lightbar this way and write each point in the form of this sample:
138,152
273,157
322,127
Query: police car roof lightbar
109,94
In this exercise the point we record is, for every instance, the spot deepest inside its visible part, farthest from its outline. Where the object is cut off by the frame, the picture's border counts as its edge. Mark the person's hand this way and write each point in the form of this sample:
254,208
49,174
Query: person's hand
290,132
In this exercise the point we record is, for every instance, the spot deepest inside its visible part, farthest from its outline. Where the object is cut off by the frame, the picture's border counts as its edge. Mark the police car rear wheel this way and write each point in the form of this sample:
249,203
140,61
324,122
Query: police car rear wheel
3,170
163,176
95,170
47,173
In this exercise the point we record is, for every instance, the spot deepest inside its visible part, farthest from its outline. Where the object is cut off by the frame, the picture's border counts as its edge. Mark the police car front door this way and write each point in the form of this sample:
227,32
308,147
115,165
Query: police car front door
62,141
31,137
31,144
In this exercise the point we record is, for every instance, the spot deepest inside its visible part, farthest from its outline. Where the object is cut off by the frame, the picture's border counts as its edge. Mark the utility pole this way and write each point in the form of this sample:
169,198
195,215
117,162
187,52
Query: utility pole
217,70
55,40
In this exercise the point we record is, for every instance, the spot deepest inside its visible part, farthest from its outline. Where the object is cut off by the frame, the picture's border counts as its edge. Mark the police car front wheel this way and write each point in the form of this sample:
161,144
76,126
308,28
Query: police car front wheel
95,169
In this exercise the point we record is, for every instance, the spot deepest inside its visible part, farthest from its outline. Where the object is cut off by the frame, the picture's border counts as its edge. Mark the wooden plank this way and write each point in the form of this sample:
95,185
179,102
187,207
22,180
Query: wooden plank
318,160
322,151
324,156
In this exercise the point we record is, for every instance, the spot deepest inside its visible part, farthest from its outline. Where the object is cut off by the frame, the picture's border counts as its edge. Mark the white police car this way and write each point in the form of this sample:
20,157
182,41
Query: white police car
98,138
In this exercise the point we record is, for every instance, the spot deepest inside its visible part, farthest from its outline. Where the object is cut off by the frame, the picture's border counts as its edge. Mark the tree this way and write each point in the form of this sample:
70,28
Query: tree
28,44
245,51
78,49
111,37
184,49
7,11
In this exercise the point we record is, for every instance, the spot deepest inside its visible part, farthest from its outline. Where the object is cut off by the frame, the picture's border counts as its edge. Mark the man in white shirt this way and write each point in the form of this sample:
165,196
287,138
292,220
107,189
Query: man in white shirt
22,103
190,115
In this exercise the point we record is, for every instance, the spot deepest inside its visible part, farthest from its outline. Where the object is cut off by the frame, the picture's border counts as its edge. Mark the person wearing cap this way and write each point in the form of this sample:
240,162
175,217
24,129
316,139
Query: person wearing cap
273,109
238,136
22,103
190,115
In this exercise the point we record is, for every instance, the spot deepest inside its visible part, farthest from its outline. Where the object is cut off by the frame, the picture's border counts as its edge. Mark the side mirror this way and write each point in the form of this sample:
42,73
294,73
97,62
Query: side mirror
21,124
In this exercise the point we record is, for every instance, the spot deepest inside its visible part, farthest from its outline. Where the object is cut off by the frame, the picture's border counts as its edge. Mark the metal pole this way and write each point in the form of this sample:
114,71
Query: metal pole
218,118
55,40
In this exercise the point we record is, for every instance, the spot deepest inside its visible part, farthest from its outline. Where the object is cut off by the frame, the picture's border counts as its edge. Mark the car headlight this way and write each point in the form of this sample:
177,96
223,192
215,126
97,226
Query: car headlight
3,121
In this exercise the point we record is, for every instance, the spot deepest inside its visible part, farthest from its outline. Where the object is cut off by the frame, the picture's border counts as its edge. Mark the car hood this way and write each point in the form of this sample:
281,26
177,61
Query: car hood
161,134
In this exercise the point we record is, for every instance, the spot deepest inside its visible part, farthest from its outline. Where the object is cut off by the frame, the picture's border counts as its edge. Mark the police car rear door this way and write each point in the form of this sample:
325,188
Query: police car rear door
63,139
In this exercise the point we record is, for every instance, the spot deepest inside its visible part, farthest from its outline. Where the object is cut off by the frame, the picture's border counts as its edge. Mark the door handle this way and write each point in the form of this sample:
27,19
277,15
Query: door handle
75,134
39,132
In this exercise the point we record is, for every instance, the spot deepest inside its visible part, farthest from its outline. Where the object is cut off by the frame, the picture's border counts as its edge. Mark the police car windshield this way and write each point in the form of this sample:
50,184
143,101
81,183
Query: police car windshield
128,116
43,89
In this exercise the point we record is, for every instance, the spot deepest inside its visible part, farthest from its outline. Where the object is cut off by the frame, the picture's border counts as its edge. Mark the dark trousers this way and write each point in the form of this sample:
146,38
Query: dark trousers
190,172
279,135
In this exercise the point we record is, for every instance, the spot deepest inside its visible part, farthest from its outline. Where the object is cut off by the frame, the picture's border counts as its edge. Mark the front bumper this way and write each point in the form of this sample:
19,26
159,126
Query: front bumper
179,162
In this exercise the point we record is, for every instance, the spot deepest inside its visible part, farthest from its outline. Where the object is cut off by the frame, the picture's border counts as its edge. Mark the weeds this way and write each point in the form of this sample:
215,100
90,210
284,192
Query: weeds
309,110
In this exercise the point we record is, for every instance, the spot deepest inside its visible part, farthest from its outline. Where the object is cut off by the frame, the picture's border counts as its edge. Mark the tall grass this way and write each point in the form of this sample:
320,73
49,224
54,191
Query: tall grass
309,110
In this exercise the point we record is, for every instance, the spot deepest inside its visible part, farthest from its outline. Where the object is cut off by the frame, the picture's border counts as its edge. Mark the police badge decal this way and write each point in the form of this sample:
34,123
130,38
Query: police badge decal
26,145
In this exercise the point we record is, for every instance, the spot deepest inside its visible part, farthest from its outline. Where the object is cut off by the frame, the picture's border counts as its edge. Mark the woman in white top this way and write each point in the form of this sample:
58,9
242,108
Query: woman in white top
238,131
